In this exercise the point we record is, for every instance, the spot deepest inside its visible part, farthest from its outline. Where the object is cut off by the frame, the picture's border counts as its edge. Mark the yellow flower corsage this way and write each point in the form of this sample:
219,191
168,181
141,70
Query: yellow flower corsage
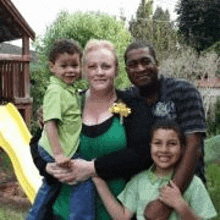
121,109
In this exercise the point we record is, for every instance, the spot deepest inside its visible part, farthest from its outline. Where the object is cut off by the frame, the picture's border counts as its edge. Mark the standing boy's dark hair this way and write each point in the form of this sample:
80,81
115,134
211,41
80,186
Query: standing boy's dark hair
140,44
62,46
169,124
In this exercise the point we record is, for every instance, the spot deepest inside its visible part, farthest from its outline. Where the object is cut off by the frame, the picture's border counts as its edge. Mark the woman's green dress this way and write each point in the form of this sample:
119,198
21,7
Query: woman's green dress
96,141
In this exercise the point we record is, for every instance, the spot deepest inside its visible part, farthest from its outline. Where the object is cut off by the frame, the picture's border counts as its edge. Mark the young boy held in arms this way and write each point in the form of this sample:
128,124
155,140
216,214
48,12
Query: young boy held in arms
62,128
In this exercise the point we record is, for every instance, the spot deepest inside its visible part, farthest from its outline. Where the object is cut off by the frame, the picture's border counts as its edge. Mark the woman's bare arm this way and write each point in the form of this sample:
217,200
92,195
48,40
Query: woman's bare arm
113,206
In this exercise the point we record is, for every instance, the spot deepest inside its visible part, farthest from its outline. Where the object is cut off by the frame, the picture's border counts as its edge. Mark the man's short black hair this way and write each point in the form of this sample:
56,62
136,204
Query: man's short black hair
136,44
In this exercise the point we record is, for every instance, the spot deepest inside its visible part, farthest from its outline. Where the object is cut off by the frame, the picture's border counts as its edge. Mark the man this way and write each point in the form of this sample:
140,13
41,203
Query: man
168,98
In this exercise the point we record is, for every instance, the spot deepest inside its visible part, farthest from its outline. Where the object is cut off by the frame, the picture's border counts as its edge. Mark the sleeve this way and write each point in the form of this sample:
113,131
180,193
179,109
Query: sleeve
200,200
129,196
52,103
190,111
124,163
136,157
38,161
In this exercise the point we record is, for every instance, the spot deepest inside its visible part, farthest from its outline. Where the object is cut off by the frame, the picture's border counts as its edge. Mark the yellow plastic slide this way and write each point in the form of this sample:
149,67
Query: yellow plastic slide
14,139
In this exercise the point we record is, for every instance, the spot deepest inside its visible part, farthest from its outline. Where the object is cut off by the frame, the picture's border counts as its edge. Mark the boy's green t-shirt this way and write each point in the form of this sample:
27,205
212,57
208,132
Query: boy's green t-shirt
61,103
144,188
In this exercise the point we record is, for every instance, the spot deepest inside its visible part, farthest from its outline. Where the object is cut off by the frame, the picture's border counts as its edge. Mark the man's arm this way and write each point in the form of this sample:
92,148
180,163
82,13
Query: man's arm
171,196
185,170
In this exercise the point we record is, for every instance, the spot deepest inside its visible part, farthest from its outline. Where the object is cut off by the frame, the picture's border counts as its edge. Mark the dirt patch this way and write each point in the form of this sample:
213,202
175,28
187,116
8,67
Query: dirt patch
11,193
12,189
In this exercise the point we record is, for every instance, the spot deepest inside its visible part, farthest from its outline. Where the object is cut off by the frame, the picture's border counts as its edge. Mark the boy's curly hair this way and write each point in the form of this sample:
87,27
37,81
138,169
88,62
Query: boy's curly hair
62,46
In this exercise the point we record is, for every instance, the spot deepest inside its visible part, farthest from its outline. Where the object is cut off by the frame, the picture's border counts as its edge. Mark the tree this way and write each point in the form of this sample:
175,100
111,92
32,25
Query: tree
156,28
199,22
159,14
138,26
145,9
84,26
80,27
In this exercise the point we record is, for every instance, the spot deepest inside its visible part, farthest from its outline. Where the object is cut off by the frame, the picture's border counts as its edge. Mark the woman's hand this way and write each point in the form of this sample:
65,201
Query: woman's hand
80,170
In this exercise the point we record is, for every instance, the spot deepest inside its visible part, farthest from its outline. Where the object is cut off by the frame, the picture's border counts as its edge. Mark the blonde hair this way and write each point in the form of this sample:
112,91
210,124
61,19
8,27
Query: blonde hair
94,44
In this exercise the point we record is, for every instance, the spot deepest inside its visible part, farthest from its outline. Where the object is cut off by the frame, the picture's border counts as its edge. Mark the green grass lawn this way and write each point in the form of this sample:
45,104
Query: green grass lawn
212,159
10,211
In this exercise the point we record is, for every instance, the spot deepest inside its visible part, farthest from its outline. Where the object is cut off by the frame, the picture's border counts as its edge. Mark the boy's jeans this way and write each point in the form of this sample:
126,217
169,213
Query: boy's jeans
82,205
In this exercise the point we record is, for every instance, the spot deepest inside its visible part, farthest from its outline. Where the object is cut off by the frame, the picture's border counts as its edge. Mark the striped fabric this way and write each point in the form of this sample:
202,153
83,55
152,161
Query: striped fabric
178,100
183,102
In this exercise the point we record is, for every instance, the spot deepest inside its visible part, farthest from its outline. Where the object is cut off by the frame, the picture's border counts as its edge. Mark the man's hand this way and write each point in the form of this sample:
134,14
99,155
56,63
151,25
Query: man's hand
82,169
156,210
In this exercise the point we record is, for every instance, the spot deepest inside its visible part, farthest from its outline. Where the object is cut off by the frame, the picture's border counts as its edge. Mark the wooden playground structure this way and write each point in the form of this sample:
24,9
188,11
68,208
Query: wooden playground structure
14,69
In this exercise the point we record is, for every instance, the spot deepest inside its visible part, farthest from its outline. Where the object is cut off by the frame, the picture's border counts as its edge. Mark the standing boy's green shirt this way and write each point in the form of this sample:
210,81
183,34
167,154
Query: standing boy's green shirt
144,188
61,104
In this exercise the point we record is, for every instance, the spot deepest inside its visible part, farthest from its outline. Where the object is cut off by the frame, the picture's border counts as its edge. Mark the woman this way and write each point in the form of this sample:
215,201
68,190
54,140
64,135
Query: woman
110,148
